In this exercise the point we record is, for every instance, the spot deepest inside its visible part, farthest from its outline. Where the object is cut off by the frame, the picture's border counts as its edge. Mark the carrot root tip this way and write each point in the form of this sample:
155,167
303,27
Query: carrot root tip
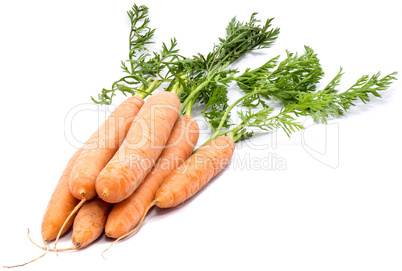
41,256
65,222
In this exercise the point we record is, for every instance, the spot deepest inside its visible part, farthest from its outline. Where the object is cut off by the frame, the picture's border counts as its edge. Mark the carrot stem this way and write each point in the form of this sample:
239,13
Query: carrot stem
192,94
144,93
190,105
175,88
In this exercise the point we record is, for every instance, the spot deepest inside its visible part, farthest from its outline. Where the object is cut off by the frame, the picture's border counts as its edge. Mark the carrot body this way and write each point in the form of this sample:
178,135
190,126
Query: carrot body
195,173
144,143
126,214
101,147
61,204
90,222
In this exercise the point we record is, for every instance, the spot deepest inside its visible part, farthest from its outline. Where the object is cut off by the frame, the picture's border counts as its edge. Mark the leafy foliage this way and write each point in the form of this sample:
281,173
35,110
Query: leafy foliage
209,73
140,32
201,78
262,120
294,81
141,64
207,79
216,105
328,103
282,81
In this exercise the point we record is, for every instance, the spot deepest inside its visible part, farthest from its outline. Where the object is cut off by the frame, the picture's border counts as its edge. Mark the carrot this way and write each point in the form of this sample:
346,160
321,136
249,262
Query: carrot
97,151
126,214
144,143
186,180
59,208
61,204
90,222
195,173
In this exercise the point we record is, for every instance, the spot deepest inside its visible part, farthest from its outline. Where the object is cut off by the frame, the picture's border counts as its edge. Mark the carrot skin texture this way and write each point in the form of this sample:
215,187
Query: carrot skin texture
126,214
138,153
195,173
61,204
90,222
101,147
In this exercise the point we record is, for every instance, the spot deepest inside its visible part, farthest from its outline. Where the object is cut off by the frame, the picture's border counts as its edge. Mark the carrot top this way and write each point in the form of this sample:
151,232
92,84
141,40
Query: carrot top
293,81
206,79
144,72
199,79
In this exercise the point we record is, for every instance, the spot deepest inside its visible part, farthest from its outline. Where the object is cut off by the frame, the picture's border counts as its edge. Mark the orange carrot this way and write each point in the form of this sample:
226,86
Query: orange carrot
126,214
90,222
195,173
186,180
144,143
61,204
58,210
97,151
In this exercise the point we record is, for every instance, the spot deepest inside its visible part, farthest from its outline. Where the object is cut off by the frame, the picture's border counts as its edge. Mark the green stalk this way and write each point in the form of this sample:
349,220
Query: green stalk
233,136
189,108
192,94
144,93
129,48
175,88
224,117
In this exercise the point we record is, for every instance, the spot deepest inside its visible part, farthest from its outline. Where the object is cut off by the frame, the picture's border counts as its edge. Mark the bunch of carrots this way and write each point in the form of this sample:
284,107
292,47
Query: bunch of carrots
144,153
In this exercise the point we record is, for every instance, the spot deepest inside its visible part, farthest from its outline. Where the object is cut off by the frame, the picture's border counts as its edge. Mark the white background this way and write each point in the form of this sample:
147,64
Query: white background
310,216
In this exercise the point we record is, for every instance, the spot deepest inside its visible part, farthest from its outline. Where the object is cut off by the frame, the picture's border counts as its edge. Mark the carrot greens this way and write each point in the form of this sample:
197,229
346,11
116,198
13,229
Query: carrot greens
144,71
206,73
208,78
294,82
201,78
